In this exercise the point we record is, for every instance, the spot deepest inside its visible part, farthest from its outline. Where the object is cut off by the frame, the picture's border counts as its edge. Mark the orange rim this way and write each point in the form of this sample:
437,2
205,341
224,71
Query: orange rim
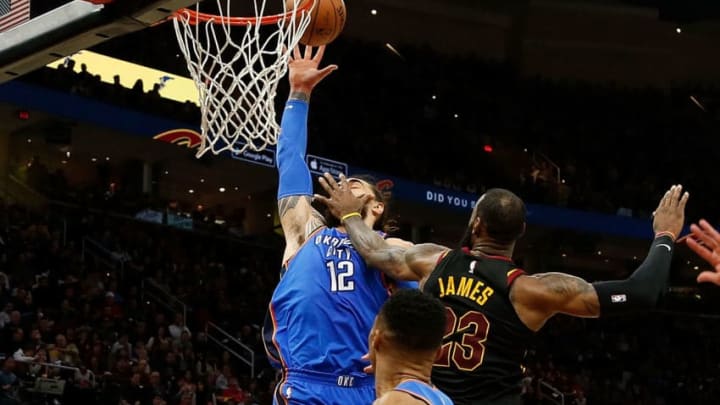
196,17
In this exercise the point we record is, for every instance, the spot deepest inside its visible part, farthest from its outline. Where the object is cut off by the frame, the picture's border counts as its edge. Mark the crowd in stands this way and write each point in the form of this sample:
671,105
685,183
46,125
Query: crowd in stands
658,359
65,306
425,117
71,316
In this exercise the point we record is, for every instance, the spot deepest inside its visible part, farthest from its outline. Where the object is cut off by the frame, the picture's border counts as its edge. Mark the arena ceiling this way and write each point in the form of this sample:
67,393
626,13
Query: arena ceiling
626,41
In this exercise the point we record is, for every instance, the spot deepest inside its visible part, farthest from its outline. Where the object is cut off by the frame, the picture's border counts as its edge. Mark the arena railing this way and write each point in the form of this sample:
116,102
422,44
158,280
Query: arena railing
151,290
15,190
550,393
112,260
224,340
541,156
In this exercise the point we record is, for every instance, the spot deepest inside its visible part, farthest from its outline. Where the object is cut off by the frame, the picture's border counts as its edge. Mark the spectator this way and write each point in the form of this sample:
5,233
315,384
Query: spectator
8,383
233,392
84,379
177,328
159,340
5,315
223,379
62,352
122,344
40,367
134,392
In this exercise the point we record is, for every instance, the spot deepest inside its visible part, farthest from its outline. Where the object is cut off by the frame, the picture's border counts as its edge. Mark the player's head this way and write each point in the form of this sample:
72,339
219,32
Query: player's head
499,216
376,207
410,325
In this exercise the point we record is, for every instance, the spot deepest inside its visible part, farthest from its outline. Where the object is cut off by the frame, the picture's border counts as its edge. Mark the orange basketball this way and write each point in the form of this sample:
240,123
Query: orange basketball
326,21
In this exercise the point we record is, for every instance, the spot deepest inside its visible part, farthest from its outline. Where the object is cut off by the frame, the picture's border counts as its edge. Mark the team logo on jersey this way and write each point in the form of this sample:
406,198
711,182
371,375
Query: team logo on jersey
181,137
618,298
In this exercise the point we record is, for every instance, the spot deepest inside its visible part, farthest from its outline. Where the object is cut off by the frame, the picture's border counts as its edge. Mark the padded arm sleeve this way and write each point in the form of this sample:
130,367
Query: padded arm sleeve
642,289
295,177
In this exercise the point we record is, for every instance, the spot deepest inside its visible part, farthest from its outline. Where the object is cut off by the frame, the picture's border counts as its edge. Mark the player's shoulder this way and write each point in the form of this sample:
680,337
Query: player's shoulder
398,398
397,242
531,291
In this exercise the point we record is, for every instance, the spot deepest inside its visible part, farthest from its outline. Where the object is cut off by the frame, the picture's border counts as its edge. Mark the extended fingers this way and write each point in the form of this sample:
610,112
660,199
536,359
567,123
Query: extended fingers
705,225
343,182
308,52
709,277
675,195
331,181
326,186
701,250
666,198
321,198
684,200
319,54
296,53
710,240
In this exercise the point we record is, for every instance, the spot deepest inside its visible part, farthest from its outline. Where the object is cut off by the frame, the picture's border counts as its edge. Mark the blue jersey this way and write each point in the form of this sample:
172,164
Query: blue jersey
323,308
424,392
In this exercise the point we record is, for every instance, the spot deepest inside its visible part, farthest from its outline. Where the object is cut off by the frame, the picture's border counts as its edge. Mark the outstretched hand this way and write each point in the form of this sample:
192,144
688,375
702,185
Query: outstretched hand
304,69
670,213
705,241
340,200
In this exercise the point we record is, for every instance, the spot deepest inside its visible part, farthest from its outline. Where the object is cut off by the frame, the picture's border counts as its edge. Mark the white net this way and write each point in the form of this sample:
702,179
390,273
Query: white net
236,76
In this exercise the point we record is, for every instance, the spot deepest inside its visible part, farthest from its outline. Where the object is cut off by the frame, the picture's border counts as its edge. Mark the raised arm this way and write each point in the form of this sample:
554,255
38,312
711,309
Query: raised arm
297,217
399,260
413,263
538,297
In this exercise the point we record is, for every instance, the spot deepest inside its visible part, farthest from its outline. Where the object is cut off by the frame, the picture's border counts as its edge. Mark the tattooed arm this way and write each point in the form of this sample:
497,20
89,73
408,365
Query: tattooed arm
401,262
538,297
297,217
298,220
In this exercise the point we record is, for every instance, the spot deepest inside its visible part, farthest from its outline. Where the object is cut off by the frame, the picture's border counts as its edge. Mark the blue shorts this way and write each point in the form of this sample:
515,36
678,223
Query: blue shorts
312,388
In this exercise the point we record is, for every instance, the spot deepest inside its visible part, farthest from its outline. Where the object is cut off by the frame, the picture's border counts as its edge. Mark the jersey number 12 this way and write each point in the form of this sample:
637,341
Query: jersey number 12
340,277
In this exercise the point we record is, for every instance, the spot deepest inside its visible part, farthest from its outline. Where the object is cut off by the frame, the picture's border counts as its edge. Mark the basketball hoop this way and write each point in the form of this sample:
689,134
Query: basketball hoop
237,80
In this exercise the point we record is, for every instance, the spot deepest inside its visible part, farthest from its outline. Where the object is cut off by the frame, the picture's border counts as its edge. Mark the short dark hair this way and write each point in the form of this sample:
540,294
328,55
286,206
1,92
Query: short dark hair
503,215
414,320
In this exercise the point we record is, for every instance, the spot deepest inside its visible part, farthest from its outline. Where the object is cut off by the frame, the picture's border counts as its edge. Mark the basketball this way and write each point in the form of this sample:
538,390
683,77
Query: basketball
326,22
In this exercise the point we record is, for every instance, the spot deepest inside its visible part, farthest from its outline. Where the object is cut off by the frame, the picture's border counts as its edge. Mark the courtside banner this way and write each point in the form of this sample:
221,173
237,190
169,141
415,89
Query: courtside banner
540,215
